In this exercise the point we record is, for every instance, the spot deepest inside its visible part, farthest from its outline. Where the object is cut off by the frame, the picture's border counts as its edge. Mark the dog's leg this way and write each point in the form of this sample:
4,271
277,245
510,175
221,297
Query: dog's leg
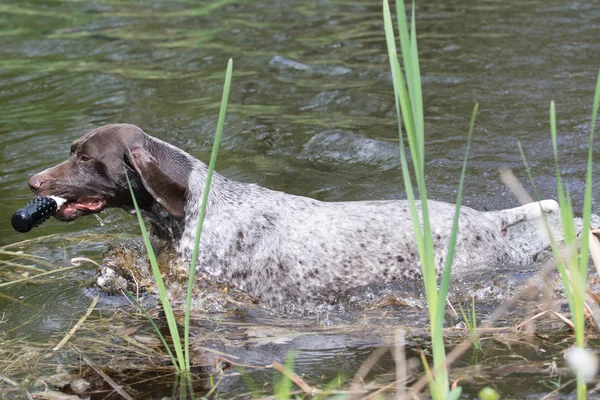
506,218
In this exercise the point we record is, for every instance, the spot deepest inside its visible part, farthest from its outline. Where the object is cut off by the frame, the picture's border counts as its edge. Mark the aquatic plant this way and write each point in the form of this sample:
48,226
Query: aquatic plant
182,360
409,111
179,362
211,168
471,322
572,264
282,382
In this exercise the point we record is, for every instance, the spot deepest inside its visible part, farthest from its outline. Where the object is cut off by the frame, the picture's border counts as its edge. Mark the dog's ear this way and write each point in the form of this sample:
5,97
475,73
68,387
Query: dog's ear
167,192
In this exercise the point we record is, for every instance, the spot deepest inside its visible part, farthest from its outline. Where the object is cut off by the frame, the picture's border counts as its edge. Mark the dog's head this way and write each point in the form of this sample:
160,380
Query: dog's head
94,176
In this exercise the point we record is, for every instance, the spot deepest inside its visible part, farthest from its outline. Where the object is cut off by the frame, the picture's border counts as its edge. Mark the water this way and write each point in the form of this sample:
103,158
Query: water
311,110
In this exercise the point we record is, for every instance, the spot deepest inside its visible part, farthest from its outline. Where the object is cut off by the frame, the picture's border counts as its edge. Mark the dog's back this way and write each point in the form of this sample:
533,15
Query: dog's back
281,247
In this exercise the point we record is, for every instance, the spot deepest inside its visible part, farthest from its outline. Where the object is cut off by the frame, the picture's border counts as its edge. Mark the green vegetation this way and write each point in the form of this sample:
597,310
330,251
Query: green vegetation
471,322
572,265
179,361
409,110
488,393
211,168
572,257
182,360
283,383
572,268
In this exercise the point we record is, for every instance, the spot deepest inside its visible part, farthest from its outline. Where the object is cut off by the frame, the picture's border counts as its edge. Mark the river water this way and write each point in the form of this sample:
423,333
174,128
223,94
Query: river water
311,110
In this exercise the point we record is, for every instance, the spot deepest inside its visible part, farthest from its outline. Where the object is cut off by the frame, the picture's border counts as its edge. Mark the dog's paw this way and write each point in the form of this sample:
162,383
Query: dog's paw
109,281
549,206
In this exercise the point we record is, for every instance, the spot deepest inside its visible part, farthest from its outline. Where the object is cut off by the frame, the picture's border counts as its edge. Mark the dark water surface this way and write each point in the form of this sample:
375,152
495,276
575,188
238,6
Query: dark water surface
311,111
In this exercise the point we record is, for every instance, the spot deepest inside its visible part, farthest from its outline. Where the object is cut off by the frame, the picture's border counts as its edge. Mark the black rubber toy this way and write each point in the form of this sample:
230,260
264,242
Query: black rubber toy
35,212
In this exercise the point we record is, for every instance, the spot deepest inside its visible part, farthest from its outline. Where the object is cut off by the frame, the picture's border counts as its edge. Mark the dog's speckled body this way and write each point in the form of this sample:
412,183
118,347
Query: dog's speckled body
275,246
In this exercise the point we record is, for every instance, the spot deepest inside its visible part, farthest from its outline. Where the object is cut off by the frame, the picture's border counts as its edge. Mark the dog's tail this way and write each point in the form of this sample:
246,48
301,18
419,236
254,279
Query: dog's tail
506,218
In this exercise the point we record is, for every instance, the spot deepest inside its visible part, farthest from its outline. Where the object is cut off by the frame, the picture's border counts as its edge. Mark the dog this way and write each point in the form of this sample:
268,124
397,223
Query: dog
275,246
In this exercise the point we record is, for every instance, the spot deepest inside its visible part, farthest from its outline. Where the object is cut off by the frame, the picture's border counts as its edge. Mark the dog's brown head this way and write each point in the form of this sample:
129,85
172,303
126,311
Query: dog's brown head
94,176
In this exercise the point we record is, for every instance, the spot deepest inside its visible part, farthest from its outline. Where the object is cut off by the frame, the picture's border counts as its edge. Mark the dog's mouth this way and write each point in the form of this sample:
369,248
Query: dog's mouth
83,206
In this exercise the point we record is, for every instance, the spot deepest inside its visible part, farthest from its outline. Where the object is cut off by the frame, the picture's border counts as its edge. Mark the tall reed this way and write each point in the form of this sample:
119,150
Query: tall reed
179,363
572,264
182,360
211,168
409,111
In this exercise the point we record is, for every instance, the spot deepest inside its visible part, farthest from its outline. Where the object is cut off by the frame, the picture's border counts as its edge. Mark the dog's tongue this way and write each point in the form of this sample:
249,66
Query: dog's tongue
87,204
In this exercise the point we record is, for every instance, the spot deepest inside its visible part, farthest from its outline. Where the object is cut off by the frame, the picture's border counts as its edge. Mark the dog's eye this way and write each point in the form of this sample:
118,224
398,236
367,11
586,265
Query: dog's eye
84,158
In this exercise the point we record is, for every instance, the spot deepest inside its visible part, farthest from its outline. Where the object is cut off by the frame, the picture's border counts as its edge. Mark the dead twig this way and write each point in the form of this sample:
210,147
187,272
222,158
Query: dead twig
29,278
366,367
532,318
564,319
228,361
6,379
401,366
116,387
212,389
306,388
555,391
383,389
78,324
78,260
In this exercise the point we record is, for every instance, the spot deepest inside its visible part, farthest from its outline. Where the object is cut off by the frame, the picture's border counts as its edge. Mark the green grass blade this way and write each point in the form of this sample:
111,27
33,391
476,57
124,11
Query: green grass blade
556,251
211,168
132,298
413,112
411,66
445,281
587,199
579,278
566,215
162,292
570,269
437,319
422,231
595,106
414,131
559,185
476,342
409,109
455,394
398,83
417,94
422,234
283,386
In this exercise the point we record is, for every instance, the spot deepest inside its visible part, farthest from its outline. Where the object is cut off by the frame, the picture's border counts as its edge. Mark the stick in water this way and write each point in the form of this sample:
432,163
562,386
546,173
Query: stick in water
35,212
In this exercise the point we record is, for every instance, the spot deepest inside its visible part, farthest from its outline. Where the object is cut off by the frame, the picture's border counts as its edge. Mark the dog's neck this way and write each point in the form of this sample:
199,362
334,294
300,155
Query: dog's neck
163,225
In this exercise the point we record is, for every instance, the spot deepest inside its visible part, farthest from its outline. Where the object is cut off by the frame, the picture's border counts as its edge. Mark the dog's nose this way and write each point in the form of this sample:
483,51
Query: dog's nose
35,182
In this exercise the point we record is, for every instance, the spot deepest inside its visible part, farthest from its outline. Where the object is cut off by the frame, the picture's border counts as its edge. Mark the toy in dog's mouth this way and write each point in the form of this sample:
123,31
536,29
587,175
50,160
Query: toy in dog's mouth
41,208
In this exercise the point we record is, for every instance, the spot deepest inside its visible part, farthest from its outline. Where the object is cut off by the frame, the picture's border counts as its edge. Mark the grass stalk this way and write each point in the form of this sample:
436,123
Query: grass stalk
211,168
572,265
182,360
135,301
283,385
471,322
409,111
162,291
